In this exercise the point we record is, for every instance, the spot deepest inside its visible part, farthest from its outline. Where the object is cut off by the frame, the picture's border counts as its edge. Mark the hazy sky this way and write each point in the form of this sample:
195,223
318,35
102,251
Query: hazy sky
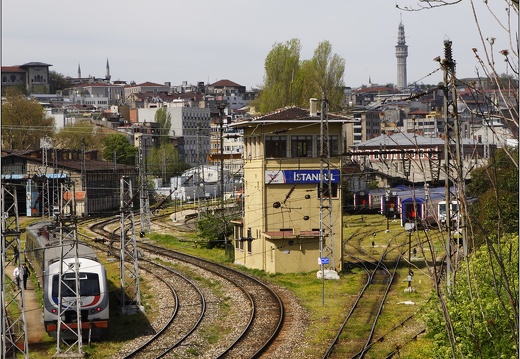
207,40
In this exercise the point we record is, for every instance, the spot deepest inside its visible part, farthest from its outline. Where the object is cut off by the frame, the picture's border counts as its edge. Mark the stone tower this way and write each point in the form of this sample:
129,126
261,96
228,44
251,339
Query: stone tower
401,52
107,76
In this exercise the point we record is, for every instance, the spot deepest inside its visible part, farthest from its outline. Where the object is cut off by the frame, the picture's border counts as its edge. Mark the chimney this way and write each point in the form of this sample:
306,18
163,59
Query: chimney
313,111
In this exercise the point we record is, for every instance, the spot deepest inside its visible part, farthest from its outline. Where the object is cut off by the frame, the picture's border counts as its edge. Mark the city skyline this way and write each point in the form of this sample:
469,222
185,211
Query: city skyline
169,41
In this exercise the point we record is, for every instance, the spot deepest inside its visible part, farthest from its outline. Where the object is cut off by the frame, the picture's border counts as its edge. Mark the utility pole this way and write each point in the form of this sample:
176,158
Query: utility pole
14,326
129,261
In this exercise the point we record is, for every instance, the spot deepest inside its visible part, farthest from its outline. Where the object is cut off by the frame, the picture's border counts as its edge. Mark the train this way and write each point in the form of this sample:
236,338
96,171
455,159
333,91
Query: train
43,251
423,208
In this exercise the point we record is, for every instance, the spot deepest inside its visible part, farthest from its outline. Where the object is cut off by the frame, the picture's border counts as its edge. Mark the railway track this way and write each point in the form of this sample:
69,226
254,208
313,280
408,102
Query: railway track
352,341
360,335
256,325
179,321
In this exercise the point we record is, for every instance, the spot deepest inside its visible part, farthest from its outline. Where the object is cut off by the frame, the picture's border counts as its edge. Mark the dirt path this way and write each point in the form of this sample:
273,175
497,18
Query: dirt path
33,310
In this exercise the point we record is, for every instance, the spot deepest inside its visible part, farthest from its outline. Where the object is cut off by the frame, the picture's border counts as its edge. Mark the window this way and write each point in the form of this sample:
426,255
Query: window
239,243
275,146
301,146
326,191
89,285
333,145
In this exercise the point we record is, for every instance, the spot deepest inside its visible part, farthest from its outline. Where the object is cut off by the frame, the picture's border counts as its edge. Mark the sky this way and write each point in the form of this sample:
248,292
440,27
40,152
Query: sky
205,40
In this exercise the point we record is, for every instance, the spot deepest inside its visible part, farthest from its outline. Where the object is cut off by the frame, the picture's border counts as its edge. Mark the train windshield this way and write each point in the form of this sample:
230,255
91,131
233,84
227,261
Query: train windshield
88,285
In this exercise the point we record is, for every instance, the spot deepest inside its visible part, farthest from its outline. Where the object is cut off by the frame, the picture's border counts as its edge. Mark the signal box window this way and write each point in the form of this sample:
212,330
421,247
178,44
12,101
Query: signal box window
301,146
275,146
333,145
328,192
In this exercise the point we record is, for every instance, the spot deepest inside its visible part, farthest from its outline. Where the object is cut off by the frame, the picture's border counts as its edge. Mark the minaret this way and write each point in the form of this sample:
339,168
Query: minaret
107,76
79,72
401,52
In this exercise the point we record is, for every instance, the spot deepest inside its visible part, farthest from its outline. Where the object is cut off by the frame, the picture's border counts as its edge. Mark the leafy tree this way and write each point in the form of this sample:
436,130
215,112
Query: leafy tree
164,119
215,228
121,146
324,76
75,135
282,83
289,81
57,82
482,309
164,162
495,188
24,122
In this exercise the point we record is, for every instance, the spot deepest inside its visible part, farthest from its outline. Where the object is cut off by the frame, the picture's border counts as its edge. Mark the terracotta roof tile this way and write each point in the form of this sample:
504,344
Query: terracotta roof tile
225,83
12,69
148,84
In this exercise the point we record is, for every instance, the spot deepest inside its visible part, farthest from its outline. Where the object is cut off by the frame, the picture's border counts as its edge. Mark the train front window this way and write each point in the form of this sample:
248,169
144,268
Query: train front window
88,285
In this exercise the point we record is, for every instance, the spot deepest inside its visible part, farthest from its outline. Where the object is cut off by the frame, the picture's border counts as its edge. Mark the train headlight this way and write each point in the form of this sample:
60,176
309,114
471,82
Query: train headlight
54,311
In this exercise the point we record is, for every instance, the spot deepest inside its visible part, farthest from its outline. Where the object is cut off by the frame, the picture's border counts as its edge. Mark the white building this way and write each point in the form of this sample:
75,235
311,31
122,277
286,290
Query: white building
203,182
190,123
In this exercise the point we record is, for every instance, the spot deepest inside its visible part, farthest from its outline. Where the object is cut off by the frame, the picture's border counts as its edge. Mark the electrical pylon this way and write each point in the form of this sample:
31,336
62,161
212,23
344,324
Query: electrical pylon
70,310
14,325
129,264
453,170
145,199
325,192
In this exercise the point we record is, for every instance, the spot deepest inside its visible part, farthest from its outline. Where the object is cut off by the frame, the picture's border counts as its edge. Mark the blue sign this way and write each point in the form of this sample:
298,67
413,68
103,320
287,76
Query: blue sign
300,176
323,260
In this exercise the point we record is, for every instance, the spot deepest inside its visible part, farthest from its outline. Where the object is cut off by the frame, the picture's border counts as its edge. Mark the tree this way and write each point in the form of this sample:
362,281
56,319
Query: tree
486,301
324,76
479,316
164,162
24,122
119,145
215,227
76,135
164,119
291,82
495,188
57,82
282,85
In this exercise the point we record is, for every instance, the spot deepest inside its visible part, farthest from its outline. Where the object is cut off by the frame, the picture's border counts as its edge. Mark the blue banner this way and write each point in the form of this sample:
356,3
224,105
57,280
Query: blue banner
299,176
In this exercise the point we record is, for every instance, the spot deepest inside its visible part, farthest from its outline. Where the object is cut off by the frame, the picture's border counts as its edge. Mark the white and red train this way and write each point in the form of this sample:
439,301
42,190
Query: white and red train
44,251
